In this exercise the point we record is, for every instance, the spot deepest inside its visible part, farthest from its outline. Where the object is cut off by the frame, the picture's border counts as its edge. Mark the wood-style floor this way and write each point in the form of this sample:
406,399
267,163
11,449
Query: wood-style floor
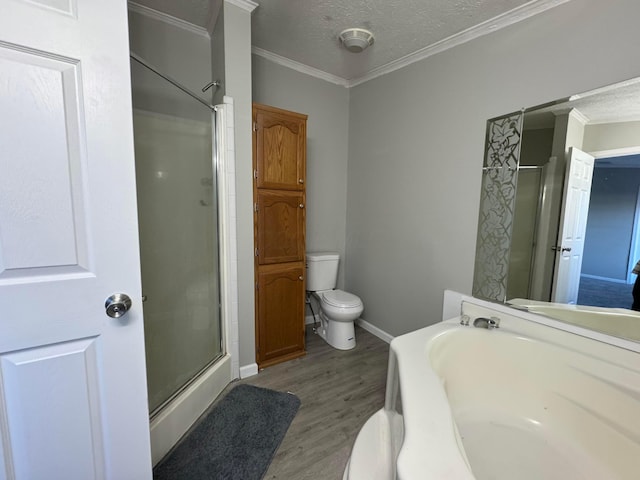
339,391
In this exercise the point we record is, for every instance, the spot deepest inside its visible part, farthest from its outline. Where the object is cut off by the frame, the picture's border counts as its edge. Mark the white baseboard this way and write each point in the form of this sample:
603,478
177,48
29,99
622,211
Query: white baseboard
249,370
606,279
381,334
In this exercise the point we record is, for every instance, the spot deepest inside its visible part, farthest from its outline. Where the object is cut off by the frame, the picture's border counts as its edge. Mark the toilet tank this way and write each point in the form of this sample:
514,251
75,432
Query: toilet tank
322,271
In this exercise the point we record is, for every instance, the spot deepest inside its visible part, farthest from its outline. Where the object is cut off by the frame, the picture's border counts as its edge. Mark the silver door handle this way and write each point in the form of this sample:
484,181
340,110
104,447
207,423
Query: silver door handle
117,305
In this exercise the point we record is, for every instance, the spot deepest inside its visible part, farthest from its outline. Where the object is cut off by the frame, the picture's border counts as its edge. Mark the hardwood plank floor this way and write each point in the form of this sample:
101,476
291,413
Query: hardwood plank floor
339,391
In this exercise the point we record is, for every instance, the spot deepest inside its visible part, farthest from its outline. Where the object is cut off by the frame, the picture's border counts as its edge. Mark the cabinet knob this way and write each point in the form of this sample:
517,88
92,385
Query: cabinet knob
300,181
300,277
301,205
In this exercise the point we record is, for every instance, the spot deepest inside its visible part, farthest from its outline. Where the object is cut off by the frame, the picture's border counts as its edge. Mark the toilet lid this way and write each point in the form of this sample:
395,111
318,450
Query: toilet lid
338,298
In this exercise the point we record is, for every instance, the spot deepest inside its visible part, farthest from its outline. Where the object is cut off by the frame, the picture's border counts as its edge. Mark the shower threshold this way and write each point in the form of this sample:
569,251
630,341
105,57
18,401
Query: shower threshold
171,420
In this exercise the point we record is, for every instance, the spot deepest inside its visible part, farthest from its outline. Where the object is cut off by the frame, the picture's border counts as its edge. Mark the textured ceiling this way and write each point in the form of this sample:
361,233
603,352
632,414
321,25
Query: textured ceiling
615,103
306,31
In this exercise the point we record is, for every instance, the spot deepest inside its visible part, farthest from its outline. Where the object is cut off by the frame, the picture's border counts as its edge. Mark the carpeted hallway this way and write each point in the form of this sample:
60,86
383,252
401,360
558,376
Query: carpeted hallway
601,293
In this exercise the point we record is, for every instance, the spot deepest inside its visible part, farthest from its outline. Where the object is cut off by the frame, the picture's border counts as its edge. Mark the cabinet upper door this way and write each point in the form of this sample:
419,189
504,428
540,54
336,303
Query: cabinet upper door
280,148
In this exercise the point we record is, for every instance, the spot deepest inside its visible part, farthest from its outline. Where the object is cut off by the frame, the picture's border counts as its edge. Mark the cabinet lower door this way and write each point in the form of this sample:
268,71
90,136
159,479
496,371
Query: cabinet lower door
280,298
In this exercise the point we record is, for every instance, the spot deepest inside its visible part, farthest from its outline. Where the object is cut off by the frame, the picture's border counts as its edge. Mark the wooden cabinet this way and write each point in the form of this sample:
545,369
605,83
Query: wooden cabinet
280,228
279,163
281,313
279,144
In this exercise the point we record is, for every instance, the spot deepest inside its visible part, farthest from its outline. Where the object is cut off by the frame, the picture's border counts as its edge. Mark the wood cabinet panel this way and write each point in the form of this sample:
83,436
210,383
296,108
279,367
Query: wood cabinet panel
280,305
281,226
279,148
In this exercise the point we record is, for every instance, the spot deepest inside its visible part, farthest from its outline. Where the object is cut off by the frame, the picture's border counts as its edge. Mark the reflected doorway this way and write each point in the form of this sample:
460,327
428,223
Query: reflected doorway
612,238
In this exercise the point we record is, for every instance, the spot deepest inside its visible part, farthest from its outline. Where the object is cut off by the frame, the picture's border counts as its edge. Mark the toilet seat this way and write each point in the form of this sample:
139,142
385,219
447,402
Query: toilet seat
341,299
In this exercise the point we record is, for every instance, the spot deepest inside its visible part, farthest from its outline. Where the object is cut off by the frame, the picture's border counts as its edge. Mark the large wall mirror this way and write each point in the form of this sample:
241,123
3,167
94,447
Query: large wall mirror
559,225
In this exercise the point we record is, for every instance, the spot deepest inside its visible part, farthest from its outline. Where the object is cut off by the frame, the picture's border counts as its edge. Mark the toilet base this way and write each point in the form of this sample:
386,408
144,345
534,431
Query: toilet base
340,335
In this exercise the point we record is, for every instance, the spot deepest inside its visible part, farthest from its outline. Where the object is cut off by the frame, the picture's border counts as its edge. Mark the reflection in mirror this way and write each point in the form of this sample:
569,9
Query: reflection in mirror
571,230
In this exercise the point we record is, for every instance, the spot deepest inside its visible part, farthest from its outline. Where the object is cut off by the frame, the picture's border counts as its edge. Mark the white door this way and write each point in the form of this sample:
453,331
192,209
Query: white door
573,225
73,399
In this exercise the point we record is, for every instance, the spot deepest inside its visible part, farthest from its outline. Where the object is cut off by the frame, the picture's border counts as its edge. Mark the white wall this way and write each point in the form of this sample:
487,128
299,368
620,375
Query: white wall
611,136
327,106
416,139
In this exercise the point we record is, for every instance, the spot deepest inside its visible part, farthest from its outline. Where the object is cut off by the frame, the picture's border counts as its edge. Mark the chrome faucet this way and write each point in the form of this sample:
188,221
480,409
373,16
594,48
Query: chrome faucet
488,323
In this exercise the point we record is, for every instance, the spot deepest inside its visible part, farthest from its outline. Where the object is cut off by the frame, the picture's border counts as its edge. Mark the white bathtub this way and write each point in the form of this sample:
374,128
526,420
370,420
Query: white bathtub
524,401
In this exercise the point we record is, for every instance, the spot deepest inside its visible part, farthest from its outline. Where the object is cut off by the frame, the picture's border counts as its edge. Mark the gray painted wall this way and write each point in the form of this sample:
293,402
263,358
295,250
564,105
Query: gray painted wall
327,147
610,224
217,59
416,139
164,46
237,64
536,146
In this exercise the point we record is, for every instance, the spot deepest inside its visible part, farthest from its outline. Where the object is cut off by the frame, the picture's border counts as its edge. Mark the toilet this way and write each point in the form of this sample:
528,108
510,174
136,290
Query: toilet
338,309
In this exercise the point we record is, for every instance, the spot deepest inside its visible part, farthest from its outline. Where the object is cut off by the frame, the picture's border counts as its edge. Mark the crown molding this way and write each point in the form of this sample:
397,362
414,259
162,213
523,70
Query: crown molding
579,116
247,5
616,152
501,21
168,19
300,67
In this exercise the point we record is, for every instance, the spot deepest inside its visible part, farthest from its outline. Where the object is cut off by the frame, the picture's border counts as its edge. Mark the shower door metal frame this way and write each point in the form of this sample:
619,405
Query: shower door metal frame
215,171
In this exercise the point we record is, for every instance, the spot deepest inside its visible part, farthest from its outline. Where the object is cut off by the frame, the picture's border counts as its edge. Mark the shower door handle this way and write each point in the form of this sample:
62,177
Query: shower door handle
117,305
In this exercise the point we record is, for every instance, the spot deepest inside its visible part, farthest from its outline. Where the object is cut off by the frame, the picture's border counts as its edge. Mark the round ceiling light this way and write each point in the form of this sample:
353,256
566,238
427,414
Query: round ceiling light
356,39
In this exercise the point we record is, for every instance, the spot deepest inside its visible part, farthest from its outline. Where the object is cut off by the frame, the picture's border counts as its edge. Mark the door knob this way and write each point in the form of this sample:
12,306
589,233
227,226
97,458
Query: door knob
117,305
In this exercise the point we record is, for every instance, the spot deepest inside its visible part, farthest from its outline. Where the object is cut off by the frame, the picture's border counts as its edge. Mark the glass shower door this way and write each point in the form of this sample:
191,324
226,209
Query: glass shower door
178,225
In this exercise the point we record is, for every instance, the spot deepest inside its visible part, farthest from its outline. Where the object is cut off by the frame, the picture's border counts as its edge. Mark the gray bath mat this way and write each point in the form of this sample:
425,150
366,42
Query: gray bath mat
236,440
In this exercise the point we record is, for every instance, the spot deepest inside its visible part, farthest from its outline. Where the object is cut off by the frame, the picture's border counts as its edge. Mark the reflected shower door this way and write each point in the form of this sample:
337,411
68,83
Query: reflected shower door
177,212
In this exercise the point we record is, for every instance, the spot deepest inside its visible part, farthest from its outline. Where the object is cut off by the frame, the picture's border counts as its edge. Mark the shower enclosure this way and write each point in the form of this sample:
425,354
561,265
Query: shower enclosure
179,241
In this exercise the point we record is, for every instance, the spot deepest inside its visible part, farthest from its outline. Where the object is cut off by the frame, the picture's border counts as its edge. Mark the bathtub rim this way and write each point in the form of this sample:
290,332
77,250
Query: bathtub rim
453,306
436,450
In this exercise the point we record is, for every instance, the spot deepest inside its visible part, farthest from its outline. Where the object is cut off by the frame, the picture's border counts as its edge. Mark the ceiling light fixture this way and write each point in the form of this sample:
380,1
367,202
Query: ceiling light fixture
356,39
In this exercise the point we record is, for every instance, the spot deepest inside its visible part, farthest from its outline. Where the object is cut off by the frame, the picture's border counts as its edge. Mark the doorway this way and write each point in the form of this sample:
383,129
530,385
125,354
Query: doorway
612,236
